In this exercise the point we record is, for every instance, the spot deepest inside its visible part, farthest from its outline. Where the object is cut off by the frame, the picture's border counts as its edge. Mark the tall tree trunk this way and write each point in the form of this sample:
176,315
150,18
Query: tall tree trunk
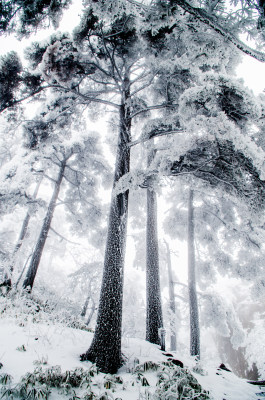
22,271
172,303
23,231
154,319
194,312
25,224
93,309
89,296
105,349
37,253
84,309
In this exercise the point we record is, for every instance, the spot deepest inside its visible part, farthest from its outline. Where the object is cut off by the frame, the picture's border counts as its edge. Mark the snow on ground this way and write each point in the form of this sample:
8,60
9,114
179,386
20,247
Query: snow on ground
227,386
22,348
51,344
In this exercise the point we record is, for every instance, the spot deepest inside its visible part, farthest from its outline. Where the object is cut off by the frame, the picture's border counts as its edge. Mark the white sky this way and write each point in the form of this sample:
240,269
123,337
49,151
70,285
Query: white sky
253,73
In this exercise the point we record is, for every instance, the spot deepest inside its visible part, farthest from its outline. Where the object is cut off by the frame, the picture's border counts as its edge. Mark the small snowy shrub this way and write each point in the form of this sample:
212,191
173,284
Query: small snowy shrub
39,384
9,393
89,396
41,308
105,396
142,379
38,392
5,379
177,383
21,348
41,361
54,378
198,369
111,381
147,366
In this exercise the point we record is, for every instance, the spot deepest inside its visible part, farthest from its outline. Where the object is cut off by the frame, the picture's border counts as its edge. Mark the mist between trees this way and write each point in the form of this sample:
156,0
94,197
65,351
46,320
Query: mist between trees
181,127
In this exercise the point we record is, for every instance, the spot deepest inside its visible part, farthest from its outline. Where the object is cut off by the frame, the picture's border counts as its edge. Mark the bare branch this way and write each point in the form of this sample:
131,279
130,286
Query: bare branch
62,237
25,98
143,140
157,107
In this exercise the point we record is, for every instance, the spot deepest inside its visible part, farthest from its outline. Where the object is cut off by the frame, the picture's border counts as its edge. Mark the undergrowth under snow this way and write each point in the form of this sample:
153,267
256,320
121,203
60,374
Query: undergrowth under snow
40,360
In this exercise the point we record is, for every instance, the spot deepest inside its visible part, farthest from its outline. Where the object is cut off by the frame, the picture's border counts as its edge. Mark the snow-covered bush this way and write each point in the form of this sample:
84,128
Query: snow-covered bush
36,308
177,383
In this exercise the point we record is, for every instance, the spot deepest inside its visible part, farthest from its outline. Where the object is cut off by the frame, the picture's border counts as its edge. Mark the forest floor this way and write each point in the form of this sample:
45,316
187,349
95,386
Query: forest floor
30,352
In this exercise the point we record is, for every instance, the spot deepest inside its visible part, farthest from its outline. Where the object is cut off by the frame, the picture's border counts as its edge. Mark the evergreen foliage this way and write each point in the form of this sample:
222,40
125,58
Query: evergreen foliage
26,16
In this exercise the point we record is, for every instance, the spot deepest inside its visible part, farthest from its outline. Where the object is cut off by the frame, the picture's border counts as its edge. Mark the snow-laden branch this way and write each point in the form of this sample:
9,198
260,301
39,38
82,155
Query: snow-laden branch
24,98
207,19
204,17
231,228
156,107
62,237
145,139
87,98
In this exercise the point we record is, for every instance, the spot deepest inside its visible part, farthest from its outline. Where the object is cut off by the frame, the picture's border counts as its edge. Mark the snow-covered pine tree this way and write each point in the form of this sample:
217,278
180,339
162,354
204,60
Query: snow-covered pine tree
24,228
78,167
37,253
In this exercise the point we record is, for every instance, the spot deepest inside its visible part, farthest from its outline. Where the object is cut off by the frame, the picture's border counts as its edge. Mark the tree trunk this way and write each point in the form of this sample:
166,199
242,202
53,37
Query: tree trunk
23,270
25,224
93,309
105,349
37,253
194,312
84,309
154,319
8,279
172,303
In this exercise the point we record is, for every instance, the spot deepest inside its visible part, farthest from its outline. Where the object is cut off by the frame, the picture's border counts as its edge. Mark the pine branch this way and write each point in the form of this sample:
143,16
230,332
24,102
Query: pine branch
18,101
205,18
62,237
180,297
157,107
143,140
245,234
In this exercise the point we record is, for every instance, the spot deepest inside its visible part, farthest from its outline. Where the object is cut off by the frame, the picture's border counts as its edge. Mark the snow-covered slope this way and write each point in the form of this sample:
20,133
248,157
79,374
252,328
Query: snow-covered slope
34,345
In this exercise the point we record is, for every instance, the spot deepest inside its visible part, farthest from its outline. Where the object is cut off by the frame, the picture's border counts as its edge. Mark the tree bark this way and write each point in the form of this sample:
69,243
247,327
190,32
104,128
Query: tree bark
193,302
105,349
172,303
37,253
154,319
